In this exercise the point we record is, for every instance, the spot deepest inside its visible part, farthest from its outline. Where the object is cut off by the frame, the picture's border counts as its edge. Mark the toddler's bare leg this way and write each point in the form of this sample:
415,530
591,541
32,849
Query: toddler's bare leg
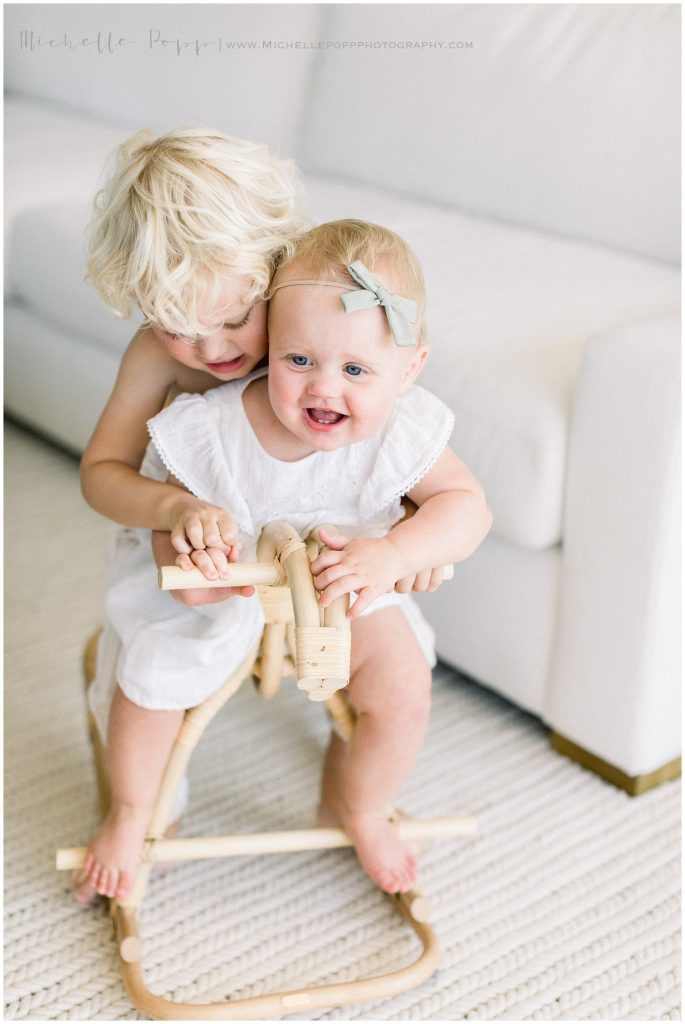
139,742
390,690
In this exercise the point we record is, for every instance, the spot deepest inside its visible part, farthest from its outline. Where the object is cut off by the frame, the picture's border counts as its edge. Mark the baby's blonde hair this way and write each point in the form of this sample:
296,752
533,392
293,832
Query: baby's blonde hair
327,250
181,212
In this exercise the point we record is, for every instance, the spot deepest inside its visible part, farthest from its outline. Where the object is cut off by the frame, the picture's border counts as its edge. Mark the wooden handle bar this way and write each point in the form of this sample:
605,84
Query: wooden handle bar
240,574
273,842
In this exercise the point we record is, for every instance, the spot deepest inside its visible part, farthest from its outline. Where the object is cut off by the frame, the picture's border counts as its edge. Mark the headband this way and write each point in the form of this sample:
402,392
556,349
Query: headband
400,312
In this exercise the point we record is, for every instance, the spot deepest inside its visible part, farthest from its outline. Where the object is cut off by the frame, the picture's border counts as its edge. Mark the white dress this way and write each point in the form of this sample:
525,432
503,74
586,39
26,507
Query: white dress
165,655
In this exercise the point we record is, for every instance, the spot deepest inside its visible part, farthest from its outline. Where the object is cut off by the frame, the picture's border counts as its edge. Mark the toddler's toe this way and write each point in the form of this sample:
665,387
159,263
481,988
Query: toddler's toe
84,892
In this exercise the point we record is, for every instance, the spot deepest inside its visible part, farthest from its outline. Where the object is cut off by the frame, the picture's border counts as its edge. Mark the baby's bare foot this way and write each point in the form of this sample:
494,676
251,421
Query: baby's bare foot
384,857
113,856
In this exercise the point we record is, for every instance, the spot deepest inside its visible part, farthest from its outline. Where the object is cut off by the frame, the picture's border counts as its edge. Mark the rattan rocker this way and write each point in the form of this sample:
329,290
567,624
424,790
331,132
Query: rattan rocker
318,655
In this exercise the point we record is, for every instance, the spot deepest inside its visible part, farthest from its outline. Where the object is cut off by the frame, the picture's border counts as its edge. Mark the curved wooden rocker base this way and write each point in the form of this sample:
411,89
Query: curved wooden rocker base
318,654
277,1004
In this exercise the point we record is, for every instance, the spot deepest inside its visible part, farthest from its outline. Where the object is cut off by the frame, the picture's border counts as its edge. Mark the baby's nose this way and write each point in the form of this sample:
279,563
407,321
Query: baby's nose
324,383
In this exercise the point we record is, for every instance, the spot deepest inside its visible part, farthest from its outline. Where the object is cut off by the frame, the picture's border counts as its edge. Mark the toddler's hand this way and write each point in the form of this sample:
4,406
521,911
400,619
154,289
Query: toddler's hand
423,582
371,566
201,526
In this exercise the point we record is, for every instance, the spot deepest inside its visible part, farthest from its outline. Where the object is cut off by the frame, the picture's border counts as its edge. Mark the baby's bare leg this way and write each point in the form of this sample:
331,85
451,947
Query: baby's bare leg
390,690
139,742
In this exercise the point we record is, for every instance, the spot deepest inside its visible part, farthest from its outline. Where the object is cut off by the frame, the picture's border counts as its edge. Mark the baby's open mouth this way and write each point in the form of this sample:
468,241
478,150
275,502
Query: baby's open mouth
325,417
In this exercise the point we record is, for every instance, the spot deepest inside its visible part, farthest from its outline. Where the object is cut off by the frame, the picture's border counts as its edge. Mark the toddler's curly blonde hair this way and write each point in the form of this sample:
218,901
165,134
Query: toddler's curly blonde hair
181,212
326,251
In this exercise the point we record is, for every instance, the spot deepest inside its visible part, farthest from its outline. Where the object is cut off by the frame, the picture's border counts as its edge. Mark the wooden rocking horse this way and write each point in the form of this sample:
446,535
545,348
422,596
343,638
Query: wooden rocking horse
318,655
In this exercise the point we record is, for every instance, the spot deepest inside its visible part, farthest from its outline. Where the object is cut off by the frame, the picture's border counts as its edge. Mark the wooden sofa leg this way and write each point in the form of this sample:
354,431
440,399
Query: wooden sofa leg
634,785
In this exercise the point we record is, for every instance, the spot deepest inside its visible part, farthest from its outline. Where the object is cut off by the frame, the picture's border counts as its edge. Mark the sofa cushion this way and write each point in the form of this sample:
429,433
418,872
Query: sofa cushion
52,156
46,272
509,314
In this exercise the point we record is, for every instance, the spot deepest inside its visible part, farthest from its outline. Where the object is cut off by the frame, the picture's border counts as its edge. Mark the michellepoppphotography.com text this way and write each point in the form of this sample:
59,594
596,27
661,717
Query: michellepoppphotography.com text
108,43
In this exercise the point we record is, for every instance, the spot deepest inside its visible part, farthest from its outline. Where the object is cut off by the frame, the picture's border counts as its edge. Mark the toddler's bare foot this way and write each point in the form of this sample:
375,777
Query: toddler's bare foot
84,892
386,860
113,856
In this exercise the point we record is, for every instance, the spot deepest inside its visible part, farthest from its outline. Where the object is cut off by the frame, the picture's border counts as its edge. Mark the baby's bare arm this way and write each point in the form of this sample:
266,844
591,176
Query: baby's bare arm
110,480
450,522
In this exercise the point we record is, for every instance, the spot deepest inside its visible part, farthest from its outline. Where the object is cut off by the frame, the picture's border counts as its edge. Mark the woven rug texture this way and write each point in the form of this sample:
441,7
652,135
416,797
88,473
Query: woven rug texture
564,907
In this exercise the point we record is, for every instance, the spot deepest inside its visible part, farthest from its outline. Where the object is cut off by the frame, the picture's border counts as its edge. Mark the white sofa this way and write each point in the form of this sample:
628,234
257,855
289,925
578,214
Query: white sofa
536,173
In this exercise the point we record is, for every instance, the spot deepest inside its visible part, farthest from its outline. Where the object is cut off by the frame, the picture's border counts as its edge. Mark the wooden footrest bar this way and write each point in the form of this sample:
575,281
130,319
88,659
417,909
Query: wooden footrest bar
159,850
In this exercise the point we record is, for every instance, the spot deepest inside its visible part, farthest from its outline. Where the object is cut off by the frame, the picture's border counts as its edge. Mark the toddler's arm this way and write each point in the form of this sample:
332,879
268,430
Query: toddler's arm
451,520
110,480
425,581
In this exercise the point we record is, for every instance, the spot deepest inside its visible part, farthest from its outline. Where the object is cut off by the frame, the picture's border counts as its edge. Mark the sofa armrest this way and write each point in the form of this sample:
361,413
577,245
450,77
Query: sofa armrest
614,680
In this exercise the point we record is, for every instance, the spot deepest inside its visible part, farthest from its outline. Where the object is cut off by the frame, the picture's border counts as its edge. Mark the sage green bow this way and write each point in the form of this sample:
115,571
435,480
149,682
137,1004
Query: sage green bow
400,312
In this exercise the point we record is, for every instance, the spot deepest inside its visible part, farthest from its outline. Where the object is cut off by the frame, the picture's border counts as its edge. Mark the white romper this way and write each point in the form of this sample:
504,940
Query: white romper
166,655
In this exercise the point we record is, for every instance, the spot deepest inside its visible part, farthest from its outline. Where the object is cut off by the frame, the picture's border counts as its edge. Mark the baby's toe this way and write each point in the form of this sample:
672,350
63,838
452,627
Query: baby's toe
123,886
112,882
103,881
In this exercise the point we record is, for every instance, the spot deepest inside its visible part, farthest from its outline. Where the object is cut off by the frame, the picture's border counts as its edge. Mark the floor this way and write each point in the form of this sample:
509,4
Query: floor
564,907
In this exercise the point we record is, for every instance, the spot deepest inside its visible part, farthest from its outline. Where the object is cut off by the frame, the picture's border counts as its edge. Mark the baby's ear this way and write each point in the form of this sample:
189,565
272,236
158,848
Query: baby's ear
414,367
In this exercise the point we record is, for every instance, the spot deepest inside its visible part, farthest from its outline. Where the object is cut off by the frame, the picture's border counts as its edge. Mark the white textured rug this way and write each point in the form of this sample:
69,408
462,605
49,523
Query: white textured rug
565,907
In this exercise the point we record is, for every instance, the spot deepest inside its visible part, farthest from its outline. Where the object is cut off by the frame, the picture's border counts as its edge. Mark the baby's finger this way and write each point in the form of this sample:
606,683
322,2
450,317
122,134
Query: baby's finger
325,560
333,540
184,562
205,564
218,556
365,597
330,575
344,585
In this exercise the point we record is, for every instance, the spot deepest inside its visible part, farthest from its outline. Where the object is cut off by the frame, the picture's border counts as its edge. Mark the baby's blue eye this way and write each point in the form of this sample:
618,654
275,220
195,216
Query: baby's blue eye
353,370
300,360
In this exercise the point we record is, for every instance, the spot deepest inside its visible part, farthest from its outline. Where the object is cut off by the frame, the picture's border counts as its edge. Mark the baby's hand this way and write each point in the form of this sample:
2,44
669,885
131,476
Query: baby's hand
201,526
371,566
213,563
